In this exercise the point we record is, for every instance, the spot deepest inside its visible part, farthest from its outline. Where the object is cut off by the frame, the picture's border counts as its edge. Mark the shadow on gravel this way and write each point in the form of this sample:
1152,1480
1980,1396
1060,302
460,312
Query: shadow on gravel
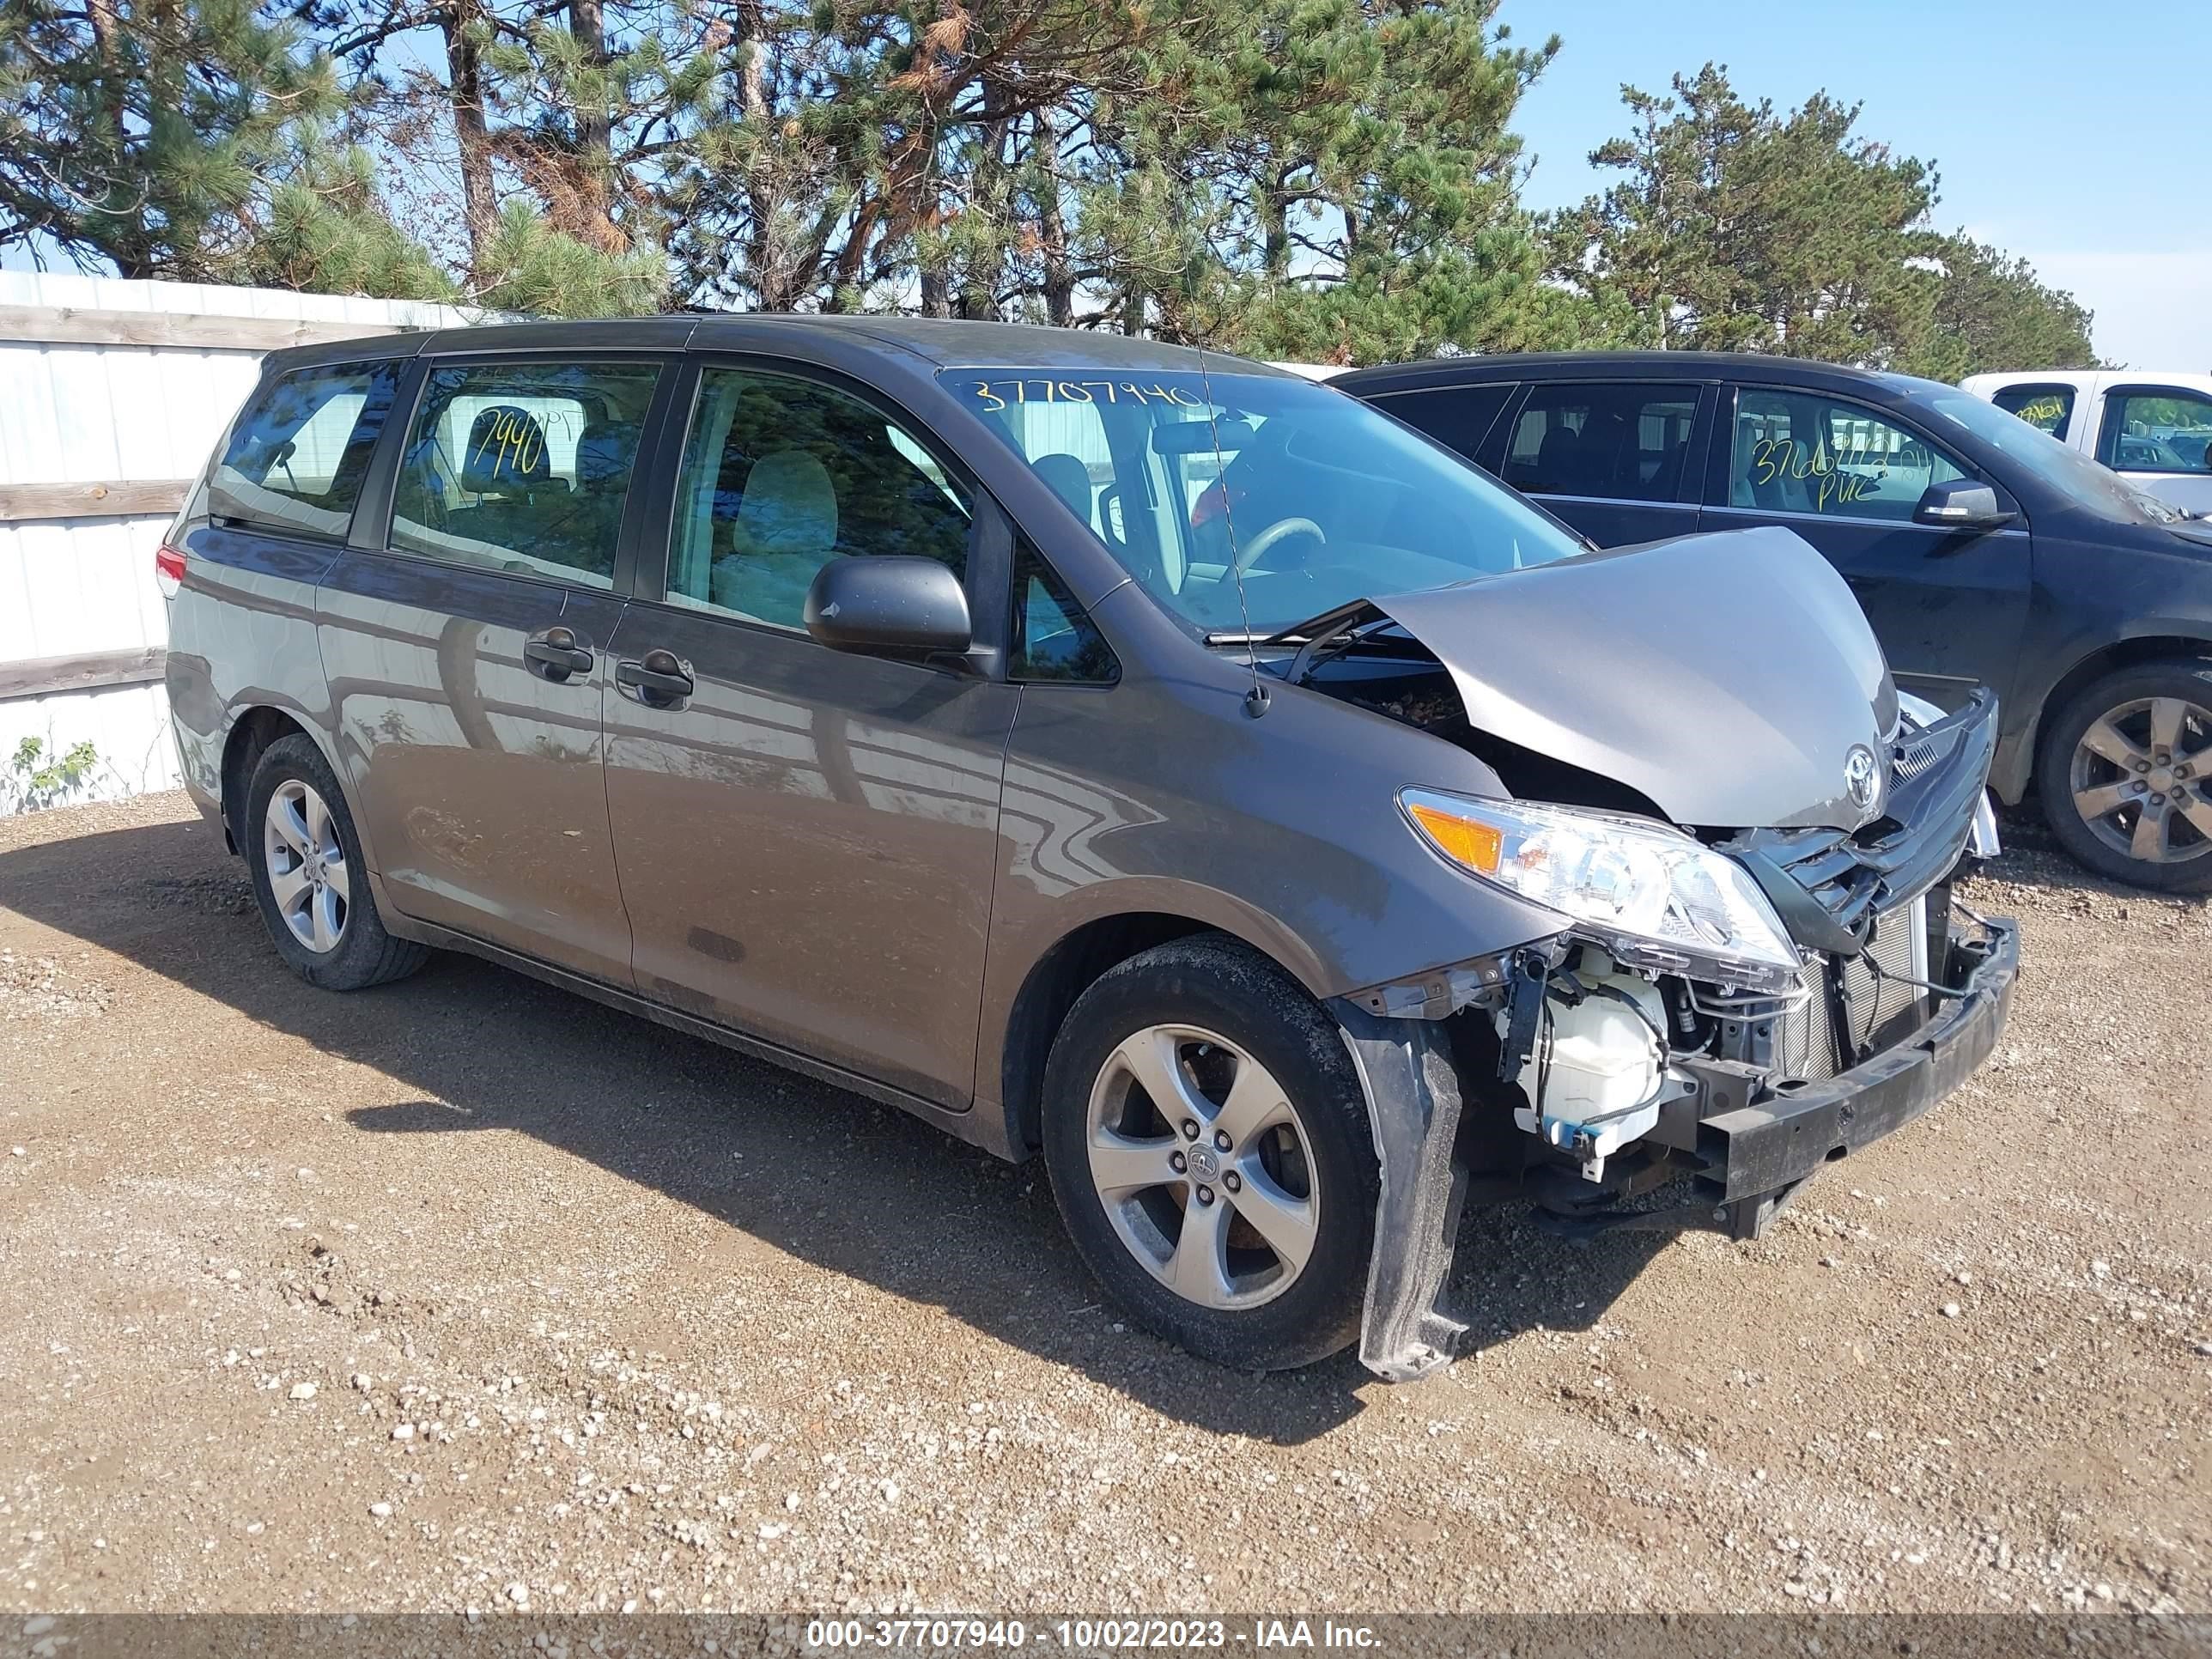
826,1176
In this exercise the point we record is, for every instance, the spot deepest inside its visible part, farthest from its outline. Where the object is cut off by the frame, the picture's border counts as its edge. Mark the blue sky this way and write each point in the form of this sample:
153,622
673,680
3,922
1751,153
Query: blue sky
2075,134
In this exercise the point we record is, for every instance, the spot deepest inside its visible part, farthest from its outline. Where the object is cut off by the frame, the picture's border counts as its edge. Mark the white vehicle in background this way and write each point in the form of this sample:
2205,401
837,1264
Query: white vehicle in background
2154,430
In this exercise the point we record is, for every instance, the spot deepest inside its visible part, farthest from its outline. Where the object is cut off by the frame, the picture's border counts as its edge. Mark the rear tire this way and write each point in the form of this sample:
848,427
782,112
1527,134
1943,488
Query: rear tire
2136,743
1235,1217
309,876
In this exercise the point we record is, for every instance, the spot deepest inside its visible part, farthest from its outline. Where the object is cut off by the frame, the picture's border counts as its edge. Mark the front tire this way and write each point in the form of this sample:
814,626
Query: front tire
1210,1150
309,876
2123,770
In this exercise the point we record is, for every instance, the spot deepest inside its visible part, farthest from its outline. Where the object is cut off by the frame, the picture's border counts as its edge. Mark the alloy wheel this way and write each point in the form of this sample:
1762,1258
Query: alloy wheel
2138,779
306,865
1201,1163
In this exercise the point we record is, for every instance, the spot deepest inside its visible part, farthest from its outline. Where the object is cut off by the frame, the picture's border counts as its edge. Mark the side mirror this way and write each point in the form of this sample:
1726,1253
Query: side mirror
1961,504
895,605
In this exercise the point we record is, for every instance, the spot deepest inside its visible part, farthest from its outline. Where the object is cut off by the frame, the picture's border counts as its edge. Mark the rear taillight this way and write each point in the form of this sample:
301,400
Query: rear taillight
168,569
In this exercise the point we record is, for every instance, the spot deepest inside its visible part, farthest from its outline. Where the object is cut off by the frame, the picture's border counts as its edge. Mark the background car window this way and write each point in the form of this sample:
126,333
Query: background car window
296,459
1458,416
523,466
1622,443
1796,452
783,475
2047,408
2163,431
1054,638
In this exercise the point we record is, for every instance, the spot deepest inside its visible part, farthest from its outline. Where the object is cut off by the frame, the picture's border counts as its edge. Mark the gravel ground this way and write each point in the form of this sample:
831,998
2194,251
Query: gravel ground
464,1293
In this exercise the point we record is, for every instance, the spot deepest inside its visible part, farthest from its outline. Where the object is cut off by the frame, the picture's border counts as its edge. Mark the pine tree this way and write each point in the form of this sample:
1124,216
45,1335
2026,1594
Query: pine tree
1738,228
138,134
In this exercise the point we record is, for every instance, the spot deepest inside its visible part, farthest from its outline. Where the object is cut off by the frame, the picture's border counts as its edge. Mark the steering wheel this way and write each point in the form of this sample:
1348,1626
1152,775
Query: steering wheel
1250,553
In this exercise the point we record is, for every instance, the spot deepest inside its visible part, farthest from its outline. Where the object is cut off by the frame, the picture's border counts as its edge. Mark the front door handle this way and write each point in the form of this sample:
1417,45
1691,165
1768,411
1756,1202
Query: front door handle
658,680
556,654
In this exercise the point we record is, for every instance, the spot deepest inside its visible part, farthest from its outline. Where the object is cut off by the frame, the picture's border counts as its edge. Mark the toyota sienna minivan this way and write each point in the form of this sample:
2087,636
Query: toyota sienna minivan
1102,749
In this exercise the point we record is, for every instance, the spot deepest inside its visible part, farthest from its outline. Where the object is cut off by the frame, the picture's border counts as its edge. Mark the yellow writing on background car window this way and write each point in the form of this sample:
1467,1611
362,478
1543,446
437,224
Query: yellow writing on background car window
2045,413
1772,459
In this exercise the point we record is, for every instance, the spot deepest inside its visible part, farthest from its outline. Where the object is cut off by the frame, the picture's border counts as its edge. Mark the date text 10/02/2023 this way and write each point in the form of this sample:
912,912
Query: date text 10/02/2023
1087,1635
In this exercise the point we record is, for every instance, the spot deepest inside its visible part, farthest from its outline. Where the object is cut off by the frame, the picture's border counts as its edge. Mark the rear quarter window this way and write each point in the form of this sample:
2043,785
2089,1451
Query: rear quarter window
296,458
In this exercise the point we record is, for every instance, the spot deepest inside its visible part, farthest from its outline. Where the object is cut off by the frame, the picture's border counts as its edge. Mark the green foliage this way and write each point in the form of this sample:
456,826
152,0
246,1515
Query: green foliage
328,231
35,779
1992,312
1739,229
1323,179
138,133
526,265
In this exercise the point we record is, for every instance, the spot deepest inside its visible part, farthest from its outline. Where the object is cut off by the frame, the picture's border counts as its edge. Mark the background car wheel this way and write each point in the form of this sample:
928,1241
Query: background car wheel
2126,774
1210,1150
308,875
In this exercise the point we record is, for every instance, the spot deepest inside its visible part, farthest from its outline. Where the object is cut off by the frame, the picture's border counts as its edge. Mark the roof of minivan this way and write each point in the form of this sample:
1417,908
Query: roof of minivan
1509,365
944,343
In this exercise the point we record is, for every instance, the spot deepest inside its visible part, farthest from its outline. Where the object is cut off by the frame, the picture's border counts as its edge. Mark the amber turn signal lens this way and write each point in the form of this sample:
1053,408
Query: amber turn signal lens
1475,845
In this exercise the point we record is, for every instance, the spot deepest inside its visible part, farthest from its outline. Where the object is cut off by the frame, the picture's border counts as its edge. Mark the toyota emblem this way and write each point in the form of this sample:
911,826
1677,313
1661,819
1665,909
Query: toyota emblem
1862,777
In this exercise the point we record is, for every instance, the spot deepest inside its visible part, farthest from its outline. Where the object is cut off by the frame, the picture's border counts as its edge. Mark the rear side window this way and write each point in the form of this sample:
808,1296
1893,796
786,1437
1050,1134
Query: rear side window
301,449
2047,408
1622,442
1459,417
524,467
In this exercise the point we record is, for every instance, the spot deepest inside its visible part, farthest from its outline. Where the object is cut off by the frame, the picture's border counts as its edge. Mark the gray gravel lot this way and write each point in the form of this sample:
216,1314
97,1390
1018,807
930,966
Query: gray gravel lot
464,1293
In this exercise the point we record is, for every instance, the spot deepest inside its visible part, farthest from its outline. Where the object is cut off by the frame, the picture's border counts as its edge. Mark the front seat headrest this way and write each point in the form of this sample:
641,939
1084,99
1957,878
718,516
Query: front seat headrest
789,506
1069,479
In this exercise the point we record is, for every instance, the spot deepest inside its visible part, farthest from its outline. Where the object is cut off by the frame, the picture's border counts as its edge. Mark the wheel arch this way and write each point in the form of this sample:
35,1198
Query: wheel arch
2131,652
251,731
1063,972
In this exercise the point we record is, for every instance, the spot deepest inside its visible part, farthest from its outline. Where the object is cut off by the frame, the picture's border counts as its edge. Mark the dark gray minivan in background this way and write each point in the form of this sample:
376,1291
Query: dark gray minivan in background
1100,748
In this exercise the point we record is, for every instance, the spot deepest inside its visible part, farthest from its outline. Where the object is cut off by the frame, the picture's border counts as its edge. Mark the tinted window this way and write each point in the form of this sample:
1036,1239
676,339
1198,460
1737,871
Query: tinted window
1459,417
1623,442
2165,430
780,476
523,466
1054,638
1189,477
1796,452
2047,408
297,456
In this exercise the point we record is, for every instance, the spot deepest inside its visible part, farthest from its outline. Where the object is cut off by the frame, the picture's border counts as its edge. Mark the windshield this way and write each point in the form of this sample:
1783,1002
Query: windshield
1316,498
2067,470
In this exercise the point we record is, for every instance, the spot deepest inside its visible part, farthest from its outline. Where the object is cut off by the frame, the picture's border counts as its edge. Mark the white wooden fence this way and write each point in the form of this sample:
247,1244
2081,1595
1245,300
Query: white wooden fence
112,392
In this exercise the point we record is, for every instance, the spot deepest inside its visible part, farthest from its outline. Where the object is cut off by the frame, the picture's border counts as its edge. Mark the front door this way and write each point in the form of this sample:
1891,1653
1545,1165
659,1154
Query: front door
807,840
1948,605
467,657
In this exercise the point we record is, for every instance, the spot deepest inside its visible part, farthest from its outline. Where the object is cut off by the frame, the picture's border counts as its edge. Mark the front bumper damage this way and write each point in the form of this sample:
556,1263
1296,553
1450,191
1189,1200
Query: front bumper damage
1747,1149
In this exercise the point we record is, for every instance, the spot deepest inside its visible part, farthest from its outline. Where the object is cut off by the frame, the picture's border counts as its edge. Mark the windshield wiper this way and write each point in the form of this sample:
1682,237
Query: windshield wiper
1326,624
1318,638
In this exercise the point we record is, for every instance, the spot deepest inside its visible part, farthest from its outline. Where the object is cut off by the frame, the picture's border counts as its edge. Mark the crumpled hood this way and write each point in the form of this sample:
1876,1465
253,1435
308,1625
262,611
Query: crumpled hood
1726,677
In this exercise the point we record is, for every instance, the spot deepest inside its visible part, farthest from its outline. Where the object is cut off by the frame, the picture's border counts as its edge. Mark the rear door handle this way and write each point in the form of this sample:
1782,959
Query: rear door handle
556,654
658,680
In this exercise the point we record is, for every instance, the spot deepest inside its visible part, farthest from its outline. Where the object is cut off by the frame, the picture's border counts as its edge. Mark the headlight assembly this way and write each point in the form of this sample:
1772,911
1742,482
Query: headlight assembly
1656,897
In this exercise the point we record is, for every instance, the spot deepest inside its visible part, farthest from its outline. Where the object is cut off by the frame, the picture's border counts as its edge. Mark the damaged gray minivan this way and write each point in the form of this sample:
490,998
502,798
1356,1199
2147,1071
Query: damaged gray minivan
1144,758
